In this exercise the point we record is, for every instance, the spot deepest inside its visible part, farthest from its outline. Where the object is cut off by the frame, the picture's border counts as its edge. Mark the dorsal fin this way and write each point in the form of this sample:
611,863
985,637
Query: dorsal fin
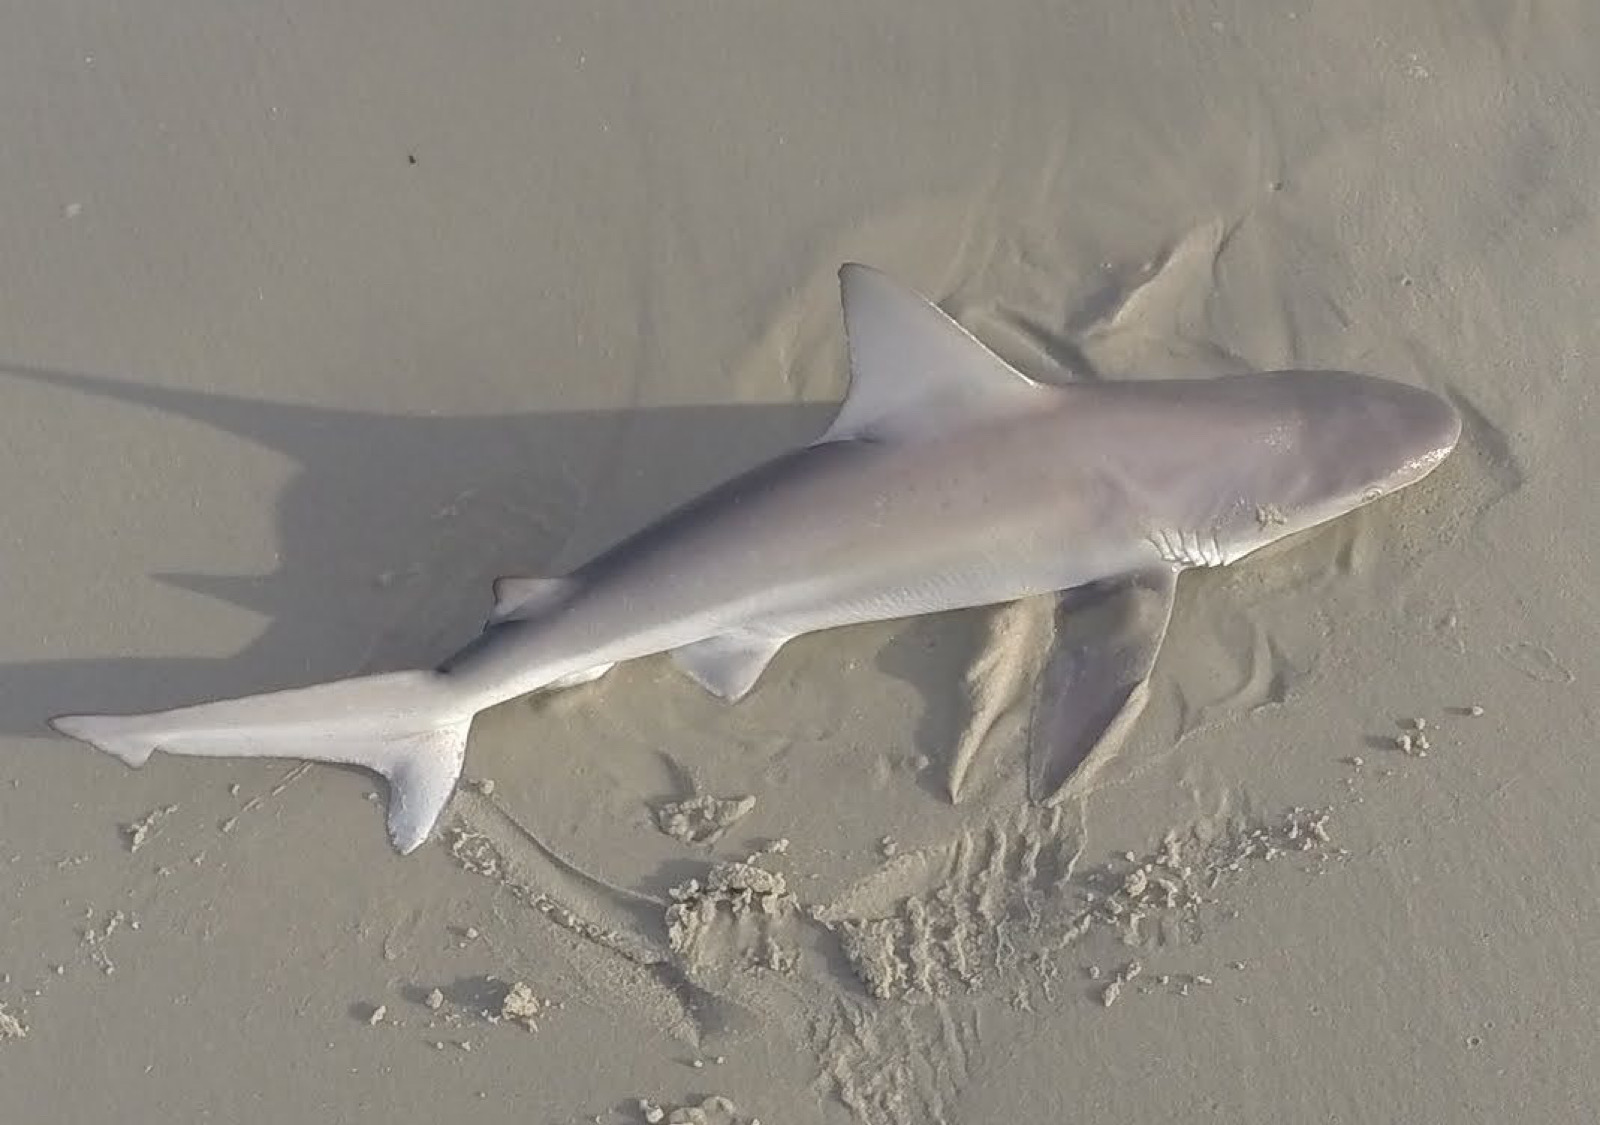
913,370
519,598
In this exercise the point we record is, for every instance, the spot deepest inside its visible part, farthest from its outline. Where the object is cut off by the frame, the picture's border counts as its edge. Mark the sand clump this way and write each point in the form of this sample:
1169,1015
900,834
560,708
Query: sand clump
97,940
139,832
715,1110
1161,895
11,1026
488,999
702,819
521,1006
1125,976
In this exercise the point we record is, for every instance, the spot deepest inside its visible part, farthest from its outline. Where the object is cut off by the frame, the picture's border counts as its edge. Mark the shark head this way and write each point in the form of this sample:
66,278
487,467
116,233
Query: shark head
1339,441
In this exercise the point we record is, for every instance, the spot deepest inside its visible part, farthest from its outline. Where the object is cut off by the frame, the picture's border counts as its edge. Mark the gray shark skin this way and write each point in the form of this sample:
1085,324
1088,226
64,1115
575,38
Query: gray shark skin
947,480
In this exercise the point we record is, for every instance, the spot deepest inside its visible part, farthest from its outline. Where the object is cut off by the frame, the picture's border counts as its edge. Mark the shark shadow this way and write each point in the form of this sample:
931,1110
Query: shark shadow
393,527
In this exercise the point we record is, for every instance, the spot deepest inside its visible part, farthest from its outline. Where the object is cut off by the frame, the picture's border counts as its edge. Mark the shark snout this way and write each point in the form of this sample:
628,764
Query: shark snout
1369,436
1399,435
1431,421
1427,427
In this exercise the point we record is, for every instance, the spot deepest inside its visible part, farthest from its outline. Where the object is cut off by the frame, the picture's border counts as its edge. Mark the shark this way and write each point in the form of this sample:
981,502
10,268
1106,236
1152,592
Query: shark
947,480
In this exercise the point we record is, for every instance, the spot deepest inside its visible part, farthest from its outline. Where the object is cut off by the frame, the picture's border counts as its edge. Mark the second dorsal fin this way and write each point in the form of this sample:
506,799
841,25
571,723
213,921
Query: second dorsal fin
913,370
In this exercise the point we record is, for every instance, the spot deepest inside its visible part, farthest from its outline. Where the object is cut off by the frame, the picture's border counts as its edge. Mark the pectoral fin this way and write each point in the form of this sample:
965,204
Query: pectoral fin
1096,680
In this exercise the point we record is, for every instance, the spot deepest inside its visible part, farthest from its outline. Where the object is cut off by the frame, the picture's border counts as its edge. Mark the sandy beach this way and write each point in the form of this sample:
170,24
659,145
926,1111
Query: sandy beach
314,319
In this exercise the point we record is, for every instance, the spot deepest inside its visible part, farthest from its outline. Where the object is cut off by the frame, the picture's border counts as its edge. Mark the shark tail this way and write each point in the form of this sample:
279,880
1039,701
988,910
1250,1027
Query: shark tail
410,727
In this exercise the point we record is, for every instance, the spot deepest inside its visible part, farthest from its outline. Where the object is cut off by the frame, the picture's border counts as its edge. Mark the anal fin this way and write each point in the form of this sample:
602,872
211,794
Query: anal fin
728,665
1096,680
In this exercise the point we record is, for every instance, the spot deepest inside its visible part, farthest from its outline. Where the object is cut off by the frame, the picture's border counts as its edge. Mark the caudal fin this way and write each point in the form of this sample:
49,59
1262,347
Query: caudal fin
409,727
106,732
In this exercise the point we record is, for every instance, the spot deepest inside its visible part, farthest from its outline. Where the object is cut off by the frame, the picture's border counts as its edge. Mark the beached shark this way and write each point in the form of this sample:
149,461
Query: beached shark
947,480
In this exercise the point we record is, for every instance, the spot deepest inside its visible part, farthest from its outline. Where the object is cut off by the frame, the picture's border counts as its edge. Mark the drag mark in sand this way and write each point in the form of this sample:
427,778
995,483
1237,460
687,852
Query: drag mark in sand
1535,662
490,843
289,778
616,937
996,908
746,895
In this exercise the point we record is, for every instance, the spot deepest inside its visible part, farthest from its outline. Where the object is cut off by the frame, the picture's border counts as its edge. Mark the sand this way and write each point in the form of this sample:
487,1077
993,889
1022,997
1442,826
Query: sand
314,319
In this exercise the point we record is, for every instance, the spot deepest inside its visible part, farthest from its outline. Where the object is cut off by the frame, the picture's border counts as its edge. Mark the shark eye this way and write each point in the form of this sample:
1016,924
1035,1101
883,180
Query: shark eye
1371,494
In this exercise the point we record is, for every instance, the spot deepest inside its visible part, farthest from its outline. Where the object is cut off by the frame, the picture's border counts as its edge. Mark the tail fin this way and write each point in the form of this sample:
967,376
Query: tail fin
408,726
